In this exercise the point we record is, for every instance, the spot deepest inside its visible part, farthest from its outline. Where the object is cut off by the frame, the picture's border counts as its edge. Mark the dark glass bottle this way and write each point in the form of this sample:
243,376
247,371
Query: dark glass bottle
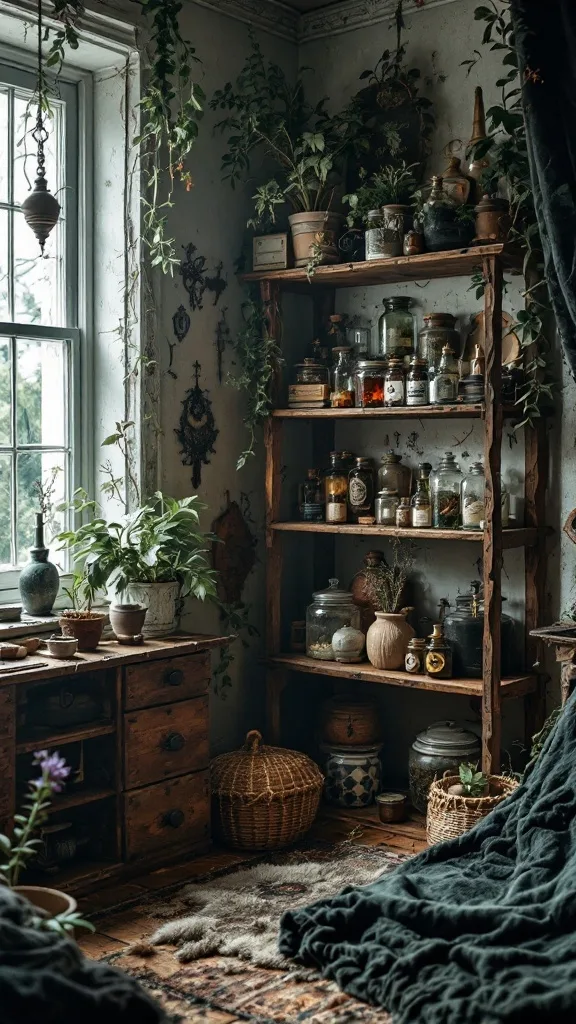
438,654
361,489
336,489
311,498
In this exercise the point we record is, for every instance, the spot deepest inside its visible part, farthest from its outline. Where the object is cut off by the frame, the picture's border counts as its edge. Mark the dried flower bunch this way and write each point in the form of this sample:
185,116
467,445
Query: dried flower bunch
387,582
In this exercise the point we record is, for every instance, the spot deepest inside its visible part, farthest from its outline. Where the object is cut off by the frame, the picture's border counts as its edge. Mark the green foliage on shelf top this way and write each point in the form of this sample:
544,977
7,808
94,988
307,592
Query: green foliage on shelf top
391,185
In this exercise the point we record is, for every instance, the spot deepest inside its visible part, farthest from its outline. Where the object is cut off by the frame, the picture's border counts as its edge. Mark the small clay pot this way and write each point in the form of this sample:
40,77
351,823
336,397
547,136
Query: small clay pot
87,627
392,806
62,646
50,902
127,619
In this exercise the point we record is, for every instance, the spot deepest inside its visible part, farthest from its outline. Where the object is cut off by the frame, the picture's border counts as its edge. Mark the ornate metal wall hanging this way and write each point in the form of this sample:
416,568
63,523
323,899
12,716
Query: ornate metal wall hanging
197,431
223,338
181,323
194,274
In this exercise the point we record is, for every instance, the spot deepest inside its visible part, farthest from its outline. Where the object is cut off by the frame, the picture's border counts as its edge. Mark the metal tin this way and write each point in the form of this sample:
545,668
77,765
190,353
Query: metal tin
443,746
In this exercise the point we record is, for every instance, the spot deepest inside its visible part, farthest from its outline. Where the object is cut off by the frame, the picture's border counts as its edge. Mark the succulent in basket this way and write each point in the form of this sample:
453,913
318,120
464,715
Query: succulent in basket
472,782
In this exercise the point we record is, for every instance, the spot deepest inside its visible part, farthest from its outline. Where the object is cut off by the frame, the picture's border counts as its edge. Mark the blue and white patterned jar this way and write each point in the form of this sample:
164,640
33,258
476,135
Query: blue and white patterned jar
353,775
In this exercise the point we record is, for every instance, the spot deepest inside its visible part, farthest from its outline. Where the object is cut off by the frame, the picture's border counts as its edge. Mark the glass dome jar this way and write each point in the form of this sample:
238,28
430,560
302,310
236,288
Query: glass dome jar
396,329
442,747
331,610
445,485
473,498
394,475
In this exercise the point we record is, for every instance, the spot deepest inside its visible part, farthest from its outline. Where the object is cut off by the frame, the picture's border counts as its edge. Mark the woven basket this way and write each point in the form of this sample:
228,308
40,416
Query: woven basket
450,816
266,797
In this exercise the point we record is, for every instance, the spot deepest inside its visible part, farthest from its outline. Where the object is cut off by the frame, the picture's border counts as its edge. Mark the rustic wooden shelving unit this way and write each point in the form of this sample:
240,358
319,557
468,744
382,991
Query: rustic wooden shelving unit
492,689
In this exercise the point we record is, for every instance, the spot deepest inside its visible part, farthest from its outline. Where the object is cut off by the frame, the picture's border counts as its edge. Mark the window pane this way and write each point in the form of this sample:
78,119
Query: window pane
25,148
41,390
3,147
37,280
5,392
36,470
5,510
4,270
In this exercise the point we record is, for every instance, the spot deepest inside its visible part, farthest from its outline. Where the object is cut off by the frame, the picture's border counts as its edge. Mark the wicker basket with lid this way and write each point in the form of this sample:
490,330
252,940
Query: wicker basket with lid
267,797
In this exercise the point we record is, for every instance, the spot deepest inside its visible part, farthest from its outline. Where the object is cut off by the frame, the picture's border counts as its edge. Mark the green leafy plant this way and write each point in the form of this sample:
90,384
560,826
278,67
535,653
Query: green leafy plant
235,619
473,782
391,185
387,582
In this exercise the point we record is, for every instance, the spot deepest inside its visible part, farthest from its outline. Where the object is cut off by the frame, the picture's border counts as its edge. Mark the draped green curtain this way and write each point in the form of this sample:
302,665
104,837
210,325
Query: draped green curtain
545,39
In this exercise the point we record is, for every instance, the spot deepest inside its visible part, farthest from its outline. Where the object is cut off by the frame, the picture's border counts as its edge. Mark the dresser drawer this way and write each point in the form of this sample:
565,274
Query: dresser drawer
162,682
175,813
166,741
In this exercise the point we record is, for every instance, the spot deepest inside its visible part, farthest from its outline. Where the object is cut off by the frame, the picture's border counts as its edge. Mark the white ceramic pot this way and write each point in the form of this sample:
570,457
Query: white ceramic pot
161,602
387,640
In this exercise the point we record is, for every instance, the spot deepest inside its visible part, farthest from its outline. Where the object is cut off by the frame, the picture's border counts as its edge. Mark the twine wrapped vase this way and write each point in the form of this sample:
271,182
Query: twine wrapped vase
449,816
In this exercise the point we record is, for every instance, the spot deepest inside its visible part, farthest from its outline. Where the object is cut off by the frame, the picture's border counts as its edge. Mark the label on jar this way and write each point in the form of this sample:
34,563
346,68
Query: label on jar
403,517
394,392
446,389
417,392
422,516
357,491
335,512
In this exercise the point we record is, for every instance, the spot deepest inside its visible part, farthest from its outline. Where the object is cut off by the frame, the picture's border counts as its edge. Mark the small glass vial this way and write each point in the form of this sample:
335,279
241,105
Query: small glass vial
395,384
361,489
403,514
421,510
438,661
396,329
386,506
369,383
336,489
446,494
415,655
473,497
342,394
417,388
311,498
446,378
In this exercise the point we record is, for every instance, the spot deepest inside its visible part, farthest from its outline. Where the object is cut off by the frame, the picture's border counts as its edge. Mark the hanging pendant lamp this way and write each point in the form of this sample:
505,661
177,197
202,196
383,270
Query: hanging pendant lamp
41,209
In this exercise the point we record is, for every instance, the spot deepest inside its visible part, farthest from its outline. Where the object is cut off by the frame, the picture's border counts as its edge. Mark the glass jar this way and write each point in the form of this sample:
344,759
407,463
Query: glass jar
369,383
311,498
438,331
311,372
417,383
421,507
446,483
394,475
396,329
358,338
443,228
374,235
438,660
403,514
336,489
415,654
361,489
395,384
442,747
386,505
473,498
331,610
446,379
342,394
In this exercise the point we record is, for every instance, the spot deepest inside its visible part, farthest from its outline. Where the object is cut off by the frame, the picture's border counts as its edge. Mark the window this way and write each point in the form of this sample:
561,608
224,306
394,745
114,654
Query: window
39,340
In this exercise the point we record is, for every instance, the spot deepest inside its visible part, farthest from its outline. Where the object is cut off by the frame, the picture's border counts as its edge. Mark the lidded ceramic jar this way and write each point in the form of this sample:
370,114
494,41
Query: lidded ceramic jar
353,775
331,609
443,746
492,220
464,629
348,645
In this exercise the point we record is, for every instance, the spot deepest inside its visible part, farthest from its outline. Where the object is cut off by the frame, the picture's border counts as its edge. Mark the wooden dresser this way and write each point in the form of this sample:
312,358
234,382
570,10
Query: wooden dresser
133,724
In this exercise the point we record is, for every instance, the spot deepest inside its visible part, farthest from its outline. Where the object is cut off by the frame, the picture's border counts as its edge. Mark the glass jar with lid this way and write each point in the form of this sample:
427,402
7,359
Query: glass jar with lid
396,329
386,505
438,331
417,389
393,474
311,372
442,747
446,378
369,383
374,235
336,488
473,498
395,383
342,394
331,610
361,489
446,483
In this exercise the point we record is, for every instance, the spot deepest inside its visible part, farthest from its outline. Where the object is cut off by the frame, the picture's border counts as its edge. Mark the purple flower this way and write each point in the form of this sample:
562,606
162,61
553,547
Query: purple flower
54,770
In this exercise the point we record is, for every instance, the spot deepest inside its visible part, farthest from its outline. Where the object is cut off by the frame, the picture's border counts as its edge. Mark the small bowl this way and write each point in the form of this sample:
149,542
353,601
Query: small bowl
392,806
62,646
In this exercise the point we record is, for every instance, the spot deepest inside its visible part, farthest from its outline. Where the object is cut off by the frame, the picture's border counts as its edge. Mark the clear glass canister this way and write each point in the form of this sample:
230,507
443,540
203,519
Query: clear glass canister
446,483
374,235
473,498
369,383
396,329
394,475
342,394
438,331
386,505
331,610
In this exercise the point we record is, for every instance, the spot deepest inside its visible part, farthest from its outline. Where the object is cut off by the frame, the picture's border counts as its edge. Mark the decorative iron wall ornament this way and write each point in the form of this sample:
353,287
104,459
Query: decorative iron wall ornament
181,323
194,274
197,431
223,338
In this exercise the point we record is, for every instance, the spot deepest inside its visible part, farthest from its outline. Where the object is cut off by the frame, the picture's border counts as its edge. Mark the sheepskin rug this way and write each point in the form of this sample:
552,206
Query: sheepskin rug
238,914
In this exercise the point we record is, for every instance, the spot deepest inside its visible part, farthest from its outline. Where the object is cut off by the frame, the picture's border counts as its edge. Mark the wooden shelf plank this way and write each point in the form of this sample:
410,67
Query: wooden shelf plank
403,412
365,672
428,265
514,538
87,732
66,801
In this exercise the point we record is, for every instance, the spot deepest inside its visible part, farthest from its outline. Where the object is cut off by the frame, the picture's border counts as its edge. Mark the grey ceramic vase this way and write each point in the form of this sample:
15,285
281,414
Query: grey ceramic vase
39,580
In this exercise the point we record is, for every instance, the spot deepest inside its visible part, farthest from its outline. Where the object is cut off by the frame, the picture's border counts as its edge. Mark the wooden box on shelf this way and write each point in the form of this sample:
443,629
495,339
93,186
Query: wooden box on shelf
270,252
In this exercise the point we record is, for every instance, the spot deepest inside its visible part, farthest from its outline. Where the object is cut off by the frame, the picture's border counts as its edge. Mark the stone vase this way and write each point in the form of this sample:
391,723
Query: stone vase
161,602
39,579
387,640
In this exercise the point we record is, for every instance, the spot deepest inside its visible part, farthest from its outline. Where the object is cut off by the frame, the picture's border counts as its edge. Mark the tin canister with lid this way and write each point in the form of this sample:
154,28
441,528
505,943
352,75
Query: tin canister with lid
443,746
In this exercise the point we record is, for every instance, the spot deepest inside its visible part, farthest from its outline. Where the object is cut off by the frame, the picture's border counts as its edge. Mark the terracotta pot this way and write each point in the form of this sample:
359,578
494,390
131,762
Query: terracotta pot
127,619
87,627
394,218
51,901
492,220
350,723
161,603
387,640
319,227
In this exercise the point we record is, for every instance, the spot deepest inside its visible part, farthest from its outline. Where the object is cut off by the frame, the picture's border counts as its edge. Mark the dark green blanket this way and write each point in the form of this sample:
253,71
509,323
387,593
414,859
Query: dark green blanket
479,930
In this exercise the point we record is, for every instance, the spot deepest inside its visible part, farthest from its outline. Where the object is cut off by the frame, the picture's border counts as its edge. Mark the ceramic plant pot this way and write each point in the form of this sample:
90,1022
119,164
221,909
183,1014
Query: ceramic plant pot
387,640
353,775
87,627
317,228
127,619
161,603
394,219
50,902
39,580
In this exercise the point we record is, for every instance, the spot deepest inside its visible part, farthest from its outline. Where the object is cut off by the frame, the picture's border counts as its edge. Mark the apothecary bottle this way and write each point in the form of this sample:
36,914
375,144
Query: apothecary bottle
446,378
395,384
342,394
473,497
394,474
445,486
403,514
417,389
421,505
311,498
438,331
386,505
336,489
369,383
361,489
396,329
415,654
438,660
331,610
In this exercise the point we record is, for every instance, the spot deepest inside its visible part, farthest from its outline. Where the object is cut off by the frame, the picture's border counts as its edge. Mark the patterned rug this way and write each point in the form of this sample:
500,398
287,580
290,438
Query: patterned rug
222,965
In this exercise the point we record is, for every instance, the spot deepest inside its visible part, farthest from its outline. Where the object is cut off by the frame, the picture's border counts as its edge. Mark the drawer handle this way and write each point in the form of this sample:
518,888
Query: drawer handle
175,677
174,741
174,819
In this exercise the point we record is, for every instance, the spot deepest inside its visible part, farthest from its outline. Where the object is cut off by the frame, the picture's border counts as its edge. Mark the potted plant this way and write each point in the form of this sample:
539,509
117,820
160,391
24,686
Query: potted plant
382,205
155,556
80,621
387,637
458,802
56,910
